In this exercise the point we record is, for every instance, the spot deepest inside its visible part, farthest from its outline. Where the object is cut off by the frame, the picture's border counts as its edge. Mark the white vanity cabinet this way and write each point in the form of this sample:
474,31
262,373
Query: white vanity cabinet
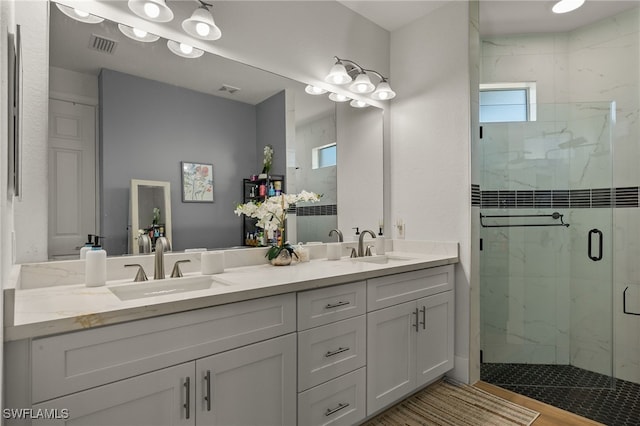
409,344
332,355
224,365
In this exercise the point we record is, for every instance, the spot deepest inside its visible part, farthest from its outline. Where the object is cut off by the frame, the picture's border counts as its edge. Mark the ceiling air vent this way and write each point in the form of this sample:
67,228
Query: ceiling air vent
227,88
102,44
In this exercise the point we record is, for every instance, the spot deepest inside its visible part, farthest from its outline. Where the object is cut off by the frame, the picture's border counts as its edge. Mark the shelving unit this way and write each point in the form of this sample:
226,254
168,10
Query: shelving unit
251,192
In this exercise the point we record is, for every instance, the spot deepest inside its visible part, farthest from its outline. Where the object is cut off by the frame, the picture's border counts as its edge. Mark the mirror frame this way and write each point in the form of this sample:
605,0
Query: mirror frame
136,184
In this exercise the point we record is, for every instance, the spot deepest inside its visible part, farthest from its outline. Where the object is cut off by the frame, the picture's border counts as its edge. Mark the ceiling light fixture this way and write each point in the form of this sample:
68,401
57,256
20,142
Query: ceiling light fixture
564,6
79,15
358,104
345,71
314,90
184,50
337,97
137,34
152,10
201,24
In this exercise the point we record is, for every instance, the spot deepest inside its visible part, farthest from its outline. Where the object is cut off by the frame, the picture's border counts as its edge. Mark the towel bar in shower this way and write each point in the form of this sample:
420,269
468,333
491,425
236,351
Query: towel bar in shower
554,216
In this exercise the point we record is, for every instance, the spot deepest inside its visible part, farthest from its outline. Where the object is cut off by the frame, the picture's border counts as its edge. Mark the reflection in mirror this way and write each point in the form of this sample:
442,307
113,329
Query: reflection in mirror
150,207
156,109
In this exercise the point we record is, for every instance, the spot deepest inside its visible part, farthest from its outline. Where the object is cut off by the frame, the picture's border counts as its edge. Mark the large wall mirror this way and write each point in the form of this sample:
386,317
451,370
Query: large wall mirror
152,110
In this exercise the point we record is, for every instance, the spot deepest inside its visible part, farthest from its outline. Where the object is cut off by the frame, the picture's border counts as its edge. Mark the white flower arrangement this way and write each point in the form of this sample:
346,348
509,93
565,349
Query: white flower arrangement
272,214
268,159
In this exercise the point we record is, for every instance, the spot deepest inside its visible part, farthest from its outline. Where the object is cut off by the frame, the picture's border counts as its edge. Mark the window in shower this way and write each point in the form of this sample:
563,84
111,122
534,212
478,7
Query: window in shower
507,102
323,156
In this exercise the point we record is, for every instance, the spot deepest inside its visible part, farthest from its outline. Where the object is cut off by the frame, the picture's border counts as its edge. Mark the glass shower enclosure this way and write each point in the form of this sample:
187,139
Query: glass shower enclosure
546,279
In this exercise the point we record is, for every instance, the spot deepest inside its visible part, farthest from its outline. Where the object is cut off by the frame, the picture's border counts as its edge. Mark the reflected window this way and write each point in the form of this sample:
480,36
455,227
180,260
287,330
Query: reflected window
507,102
324,156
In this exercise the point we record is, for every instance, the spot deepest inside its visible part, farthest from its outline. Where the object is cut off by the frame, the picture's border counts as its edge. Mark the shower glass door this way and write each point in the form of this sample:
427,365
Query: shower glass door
546,253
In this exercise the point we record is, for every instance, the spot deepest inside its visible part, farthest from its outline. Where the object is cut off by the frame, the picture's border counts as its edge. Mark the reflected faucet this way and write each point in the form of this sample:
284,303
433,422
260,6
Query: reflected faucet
162,244
361,251
339,232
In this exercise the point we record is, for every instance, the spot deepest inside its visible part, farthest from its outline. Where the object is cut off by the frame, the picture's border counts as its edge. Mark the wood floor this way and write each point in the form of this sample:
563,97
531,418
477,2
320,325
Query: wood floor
549,415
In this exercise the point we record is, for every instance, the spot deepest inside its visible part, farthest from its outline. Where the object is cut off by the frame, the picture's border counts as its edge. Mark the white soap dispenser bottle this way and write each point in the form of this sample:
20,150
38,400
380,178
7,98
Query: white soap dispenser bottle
87,246
96,265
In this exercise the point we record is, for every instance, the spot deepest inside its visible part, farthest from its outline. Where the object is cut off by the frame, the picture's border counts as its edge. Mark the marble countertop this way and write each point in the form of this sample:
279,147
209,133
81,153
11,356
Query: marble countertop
41,311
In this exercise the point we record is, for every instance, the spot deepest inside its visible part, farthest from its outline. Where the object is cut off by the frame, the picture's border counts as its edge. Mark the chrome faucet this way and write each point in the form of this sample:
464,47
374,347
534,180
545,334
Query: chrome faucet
361,251
162,244
339,232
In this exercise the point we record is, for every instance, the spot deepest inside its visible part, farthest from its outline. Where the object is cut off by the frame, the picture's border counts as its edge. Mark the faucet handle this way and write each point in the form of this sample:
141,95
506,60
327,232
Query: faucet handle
140,275
176,272
354,253
368,251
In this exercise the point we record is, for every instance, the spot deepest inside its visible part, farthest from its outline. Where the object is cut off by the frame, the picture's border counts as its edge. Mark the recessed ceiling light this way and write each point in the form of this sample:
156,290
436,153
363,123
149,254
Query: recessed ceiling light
564,6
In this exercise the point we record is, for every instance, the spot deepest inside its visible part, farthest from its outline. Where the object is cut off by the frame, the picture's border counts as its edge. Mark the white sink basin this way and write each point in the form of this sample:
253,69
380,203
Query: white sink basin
381,258
154,288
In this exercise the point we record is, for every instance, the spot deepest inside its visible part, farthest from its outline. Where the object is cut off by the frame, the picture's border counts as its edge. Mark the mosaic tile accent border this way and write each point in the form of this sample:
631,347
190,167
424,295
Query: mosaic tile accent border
551,198
321,210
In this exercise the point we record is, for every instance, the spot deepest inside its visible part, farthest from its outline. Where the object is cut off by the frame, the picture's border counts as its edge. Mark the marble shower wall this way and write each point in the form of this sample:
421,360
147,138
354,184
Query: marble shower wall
578,75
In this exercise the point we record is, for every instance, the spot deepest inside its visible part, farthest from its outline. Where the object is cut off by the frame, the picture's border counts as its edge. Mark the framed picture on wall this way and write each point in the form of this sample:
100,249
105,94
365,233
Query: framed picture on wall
197,182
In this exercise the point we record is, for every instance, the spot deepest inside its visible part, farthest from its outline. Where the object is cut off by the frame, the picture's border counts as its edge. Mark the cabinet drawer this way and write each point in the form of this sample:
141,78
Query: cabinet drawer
326,305
75,361
340,401
399,288
331,350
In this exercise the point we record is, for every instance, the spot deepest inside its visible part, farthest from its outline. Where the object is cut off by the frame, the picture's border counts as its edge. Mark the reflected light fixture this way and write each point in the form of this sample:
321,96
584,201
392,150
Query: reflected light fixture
79,15
337,97
345,71
201,24
314,90
184,50
358,103
564,6
137,34
152,10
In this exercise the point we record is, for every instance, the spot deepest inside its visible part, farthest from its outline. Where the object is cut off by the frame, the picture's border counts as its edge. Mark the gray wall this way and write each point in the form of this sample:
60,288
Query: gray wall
271,129
147,128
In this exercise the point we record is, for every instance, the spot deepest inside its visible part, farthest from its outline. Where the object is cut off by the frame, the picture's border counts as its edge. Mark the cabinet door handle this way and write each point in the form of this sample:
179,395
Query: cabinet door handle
597,233
207,395
416,324
187,402
336,305
335,410
336,352
424,317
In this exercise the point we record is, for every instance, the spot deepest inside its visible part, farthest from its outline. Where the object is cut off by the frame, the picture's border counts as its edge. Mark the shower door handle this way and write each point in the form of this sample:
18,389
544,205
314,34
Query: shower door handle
598,233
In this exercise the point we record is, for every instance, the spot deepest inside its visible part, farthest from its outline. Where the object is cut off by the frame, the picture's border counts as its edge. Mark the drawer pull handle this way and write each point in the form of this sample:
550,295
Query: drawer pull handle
423,323
336,305
335,410
416,324
187,402
336,352
207,396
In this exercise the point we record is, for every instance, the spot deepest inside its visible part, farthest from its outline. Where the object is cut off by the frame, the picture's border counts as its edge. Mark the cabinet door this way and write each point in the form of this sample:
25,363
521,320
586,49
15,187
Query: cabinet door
434,337
391,339
252,385
154,399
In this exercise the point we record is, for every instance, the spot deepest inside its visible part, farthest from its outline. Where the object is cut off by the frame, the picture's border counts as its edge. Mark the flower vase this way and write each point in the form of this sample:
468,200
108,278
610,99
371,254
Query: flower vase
282,259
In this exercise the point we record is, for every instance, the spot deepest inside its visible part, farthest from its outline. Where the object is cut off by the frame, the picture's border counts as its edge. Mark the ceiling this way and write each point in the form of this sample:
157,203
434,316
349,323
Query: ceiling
497,17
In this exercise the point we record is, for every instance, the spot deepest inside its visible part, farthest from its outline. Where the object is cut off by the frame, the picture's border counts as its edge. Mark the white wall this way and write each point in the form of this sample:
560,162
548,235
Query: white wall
430,149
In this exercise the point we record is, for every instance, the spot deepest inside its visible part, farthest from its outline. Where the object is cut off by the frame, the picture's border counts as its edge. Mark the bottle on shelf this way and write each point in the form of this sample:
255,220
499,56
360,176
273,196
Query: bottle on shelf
96,265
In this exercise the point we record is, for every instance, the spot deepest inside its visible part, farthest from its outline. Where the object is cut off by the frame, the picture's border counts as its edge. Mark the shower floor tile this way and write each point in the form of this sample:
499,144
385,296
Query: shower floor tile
610,401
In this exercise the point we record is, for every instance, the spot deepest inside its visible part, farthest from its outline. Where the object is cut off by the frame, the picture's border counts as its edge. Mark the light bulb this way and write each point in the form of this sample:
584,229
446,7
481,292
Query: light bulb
185,48
151,9
203,29
358,104
81,13
140,33
337,97
314,90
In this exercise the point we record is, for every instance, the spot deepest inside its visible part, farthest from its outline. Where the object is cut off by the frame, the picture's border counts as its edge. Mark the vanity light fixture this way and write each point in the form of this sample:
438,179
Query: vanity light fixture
79,15
201,24
184,50
337,97
345,71
314,90
152,10
358,103
564,6
137,34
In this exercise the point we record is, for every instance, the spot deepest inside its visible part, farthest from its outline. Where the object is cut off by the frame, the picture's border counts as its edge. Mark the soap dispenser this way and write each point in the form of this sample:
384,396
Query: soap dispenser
87,246
95,273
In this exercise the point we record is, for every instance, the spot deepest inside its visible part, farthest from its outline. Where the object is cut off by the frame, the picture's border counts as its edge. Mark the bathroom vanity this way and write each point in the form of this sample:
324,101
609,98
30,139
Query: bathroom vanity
320,342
